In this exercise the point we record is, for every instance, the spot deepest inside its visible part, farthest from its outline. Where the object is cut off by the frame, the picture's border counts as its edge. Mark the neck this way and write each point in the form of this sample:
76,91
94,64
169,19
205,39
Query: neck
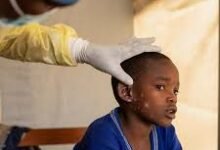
136,130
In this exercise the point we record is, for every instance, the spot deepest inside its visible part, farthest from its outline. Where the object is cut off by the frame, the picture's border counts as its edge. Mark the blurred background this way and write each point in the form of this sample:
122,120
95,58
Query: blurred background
39,95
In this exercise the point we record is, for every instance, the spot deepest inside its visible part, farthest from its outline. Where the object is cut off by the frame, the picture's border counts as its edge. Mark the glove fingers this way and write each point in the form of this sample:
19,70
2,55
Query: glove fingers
135,40
152,48
146,41
140,50
122,76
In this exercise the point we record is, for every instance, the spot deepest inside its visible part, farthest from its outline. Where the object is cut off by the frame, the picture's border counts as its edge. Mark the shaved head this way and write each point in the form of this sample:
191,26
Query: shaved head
138,66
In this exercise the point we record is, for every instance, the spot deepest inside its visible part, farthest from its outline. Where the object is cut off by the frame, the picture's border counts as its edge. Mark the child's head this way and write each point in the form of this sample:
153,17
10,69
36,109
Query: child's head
153,96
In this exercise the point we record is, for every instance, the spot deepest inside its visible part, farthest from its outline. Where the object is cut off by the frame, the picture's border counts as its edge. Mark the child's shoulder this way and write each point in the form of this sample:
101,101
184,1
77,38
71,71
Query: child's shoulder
101,134
103,126
101,123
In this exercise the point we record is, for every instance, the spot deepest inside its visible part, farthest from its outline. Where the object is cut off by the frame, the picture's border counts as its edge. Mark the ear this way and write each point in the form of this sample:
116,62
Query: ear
125,92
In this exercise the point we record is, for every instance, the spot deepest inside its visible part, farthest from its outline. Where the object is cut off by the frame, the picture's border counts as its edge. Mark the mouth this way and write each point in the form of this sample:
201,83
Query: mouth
171,112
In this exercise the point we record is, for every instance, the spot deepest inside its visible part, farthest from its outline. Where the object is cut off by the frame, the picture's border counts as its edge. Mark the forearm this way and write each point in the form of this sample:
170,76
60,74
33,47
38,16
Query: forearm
37,43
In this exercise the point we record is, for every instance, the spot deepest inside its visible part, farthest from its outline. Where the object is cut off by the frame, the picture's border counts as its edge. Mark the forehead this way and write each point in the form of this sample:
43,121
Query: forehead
161,69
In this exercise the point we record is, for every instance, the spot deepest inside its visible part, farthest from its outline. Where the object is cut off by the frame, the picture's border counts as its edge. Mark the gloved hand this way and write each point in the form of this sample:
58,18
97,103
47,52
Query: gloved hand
109,58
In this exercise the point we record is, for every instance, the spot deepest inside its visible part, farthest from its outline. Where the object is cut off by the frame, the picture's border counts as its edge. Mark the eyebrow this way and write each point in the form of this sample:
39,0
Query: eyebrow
162,78
165,79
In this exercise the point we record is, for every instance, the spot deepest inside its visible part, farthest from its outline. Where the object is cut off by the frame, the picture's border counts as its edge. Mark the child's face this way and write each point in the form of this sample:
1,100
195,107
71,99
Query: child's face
155,93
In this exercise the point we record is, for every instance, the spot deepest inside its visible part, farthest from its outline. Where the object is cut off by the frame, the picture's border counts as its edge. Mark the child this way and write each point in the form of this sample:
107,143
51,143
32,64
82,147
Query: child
146,109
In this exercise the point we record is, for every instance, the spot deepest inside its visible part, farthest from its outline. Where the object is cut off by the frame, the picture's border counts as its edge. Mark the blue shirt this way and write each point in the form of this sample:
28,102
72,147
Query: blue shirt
105,133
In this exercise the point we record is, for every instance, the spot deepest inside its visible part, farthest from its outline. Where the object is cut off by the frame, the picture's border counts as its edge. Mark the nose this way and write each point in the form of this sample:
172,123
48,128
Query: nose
171,98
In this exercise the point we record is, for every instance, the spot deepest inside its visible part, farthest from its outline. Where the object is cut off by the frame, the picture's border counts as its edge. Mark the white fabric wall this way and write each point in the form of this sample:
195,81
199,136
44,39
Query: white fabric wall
187,31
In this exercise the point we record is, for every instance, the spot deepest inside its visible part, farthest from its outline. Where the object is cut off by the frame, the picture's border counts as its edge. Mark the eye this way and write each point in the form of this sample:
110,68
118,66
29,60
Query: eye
176,91
160,87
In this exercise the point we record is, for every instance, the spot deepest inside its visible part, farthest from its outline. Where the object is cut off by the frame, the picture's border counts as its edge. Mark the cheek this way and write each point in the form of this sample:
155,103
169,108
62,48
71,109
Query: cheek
149,103
143,98
141,104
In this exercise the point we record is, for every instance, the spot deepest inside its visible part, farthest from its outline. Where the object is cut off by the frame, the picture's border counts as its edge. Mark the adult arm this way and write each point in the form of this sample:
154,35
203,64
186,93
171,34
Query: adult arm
37,43
60,45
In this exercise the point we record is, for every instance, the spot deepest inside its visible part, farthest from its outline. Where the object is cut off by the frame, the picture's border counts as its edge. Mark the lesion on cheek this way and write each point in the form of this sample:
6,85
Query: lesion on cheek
146,105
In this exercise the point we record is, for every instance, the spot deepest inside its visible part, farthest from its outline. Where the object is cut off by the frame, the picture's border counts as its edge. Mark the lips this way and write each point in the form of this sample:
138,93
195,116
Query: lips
171,111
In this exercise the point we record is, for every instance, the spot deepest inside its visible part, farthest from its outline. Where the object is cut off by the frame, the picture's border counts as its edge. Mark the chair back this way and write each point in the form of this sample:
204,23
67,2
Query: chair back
51,136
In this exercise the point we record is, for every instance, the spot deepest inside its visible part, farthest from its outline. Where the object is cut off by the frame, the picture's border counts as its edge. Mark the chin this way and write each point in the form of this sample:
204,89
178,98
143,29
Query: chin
164,123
